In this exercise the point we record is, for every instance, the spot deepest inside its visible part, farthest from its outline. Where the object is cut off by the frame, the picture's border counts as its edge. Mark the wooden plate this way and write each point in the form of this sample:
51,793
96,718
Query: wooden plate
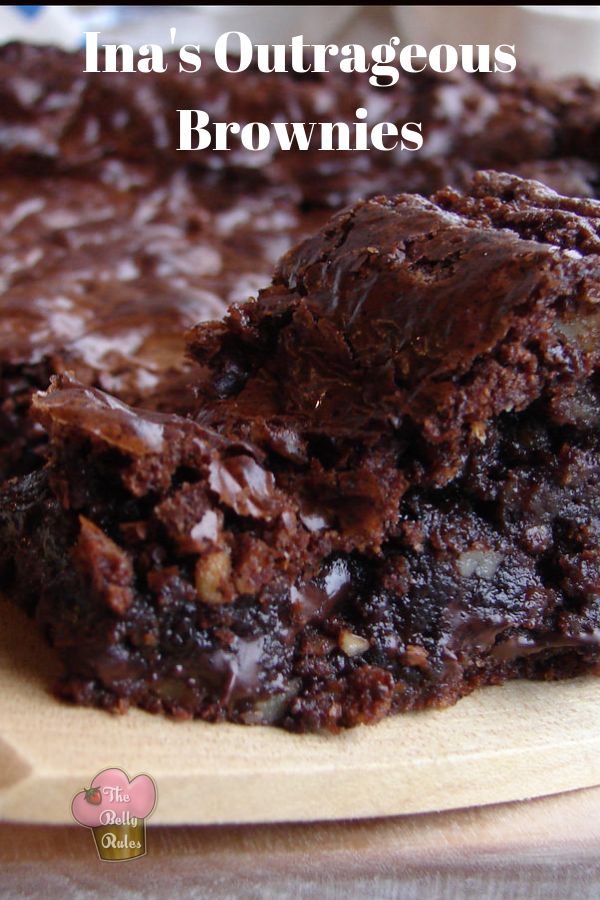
499,744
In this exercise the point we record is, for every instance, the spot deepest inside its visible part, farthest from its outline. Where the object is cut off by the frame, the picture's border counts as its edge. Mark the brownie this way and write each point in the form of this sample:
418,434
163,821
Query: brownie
385,493
437,315
113,242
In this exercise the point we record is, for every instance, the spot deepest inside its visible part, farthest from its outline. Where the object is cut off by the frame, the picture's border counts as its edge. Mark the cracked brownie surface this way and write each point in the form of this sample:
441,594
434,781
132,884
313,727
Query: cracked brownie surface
112,242
385,493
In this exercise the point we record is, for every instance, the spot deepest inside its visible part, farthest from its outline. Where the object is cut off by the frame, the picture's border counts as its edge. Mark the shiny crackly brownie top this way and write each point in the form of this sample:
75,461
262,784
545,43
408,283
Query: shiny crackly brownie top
112,242
414,316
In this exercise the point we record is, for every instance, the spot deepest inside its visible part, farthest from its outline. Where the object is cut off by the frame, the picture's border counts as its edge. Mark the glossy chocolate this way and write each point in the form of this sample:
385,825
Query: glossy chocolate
112,242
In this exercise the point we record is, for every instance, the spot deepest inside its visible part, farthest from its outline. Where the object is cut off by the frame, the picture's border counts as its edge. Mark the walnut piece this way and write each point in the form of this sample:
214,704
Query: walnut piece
352,644
213,573
483,563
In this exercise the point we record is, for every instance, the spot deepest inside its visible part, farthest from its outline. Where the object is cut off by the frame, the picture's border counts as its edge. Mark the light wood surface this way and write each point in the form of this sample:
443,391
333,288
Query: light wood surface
500,744
544,849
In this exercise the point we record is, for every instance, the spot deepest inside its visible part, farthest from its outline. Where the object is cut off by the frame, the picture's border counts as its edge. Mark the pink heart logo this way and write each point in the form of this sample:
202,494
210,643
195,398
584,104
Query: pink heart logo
112,790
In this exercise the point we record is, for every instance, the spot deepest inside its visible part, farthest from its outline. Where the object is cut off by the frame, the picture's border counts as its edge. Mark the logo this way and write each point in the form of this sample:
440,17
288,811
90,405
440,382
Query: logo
116,810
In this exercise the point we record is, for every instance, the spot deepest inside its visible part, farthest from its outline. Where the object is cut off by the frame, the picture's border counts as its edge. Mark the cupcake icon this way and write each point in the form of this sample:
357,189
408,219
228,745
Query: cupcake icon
116,810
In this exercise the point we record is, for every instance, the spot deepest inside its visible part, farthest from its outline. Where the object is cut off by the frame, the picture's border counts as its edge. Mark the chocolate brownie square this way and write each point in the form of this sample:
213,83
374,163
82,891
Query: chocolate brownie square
385,493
